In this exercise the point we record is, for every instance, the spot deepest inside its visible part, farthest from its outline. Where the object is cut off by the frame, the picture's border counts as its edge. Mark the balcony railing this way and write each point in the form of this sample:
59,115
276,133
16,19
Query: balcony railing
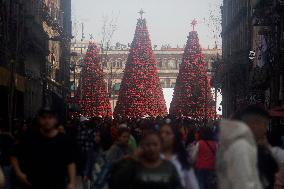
53,16
49,13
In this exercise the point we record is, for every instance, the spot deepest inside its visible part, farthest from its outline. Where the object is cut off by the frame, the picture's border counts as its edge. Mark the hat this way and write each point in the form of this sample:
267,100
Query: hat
47,111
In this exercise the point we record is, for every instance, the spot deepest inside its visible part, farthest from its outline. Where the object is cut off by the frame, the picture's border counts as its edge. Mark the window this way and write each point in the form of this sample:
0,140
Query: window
104,64
166,63
172,64
160,64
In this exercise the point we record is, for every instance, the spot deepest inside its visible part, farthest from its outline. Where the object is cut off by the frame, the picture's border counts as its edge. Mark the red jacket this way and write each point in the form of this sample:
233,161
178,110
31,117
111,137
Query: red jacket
206,155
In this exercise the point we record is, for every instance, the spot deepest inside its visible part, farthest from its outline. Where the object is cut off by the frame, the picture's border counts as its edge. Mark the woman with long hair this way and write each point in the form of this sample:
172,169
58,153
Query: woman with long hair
174,151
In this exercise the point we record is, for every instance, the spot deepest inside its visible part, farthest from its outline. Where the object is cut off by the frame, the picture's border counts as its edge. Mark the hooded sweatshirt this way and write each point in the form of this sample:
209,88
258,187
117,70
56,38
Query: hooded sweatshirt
237,157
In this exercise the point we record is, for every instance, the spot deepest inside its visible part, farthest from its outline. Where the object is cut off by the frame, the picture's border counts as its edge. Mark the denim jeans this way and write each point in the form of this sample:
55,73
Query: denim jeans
206,179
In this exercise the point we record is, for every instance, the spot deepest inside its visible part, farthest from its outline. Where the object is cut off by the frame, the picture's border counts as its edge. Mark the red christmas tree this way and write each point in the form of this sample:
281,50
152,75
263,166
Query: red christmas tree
141,93
92,96
192,95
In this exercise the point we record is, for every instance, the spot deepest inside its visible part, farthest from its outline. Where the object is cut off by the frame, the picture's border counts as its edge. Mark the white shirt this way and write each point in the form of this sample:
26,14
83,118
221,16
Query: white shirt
187,177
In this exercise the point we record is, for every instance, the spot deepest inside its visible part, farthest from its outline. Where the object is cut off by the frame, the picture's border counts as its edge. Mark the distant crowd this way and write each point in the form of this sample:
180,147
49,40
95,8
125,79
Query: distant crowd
152,153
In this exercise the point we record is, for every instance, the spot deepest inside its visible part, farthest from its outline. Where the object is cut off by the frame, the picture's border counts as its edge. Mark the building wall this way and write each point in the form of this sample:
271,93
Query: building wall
246,78
11,60
32,32
236,38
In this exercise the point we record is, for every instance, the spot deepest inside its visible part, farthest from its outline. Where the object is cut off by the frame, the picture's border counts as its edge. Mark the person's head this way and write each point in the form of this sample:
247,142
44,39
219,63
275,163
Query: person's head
123,136
47,119
207,133
167,136
151,146
257,119
171,140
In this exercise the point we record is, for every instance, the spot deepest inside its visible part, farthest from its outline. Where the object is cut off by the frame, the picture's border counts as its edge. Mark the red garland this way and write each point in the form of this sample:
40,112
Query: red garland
141,93
92,96
192,95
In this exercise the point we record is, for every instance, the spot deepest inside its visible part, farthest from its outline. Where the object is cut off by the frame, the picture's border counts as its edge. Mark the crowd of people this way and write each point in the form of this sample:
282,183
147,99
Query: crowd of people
152,153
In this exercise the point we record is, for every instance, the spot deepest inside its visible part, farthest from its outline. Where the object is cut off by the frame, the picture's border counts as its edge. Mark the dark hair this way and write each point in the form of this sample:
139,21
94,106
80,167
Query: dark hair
122,130
190,137
252,110
179,148
207,133
148,133
47,111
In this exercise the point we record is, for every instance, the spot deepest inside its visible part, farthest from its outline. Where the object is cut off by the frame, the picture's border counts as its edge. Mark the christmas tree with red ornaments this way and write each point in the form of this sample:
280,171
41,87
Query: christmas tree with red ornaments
192,96
92,96
141,94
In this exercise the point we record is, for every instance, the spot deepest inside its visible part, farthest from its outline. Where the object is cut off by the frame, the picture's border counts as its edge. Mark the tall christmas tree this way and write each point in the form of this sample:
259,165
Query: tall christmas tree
141,93
92,96
192,95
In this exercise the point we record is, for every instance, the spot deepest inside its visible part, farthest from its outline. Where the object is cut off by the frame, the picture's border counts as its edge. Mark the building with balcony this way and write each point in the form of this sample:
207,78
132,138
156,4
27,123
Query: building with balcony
36,38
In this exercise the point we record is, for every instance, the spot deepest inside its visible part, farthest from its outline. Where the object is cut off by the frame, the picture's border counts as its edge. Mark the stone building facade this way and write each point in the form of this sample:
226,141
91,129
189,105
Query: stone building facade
252,65
251,71
35,40
236,22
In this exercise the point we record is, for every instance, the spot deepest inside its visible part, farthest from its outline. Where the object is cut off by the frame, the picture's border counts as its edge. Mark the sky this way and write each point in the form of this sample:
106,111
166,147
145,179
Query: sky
168,20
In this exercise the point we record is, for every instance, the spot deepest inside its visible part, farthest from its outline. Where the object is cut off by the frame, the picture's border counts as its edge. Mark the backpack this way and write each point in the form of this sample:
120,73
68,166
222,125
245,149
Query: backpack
100,172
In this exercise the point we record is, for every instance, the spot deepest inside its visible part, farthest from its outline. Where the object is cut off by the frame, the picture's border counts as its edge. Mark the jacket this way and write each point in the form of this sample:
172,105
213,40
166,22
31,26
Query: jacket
237,157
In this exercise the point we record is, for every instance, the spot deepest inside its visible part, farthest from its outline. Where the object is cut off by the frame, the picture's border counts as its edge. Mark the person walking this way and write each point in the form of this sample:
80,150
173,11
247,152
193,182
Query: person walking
120,149
85,140
96,168
205,159
44,159
237,157
257,119
146,169
152,172
174,151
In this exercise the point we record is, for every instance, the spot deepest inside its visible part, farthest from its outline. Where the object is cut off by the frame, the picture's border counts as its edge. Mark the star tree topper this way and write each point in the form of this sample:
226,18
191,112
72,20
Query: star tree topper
141,12
193,24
